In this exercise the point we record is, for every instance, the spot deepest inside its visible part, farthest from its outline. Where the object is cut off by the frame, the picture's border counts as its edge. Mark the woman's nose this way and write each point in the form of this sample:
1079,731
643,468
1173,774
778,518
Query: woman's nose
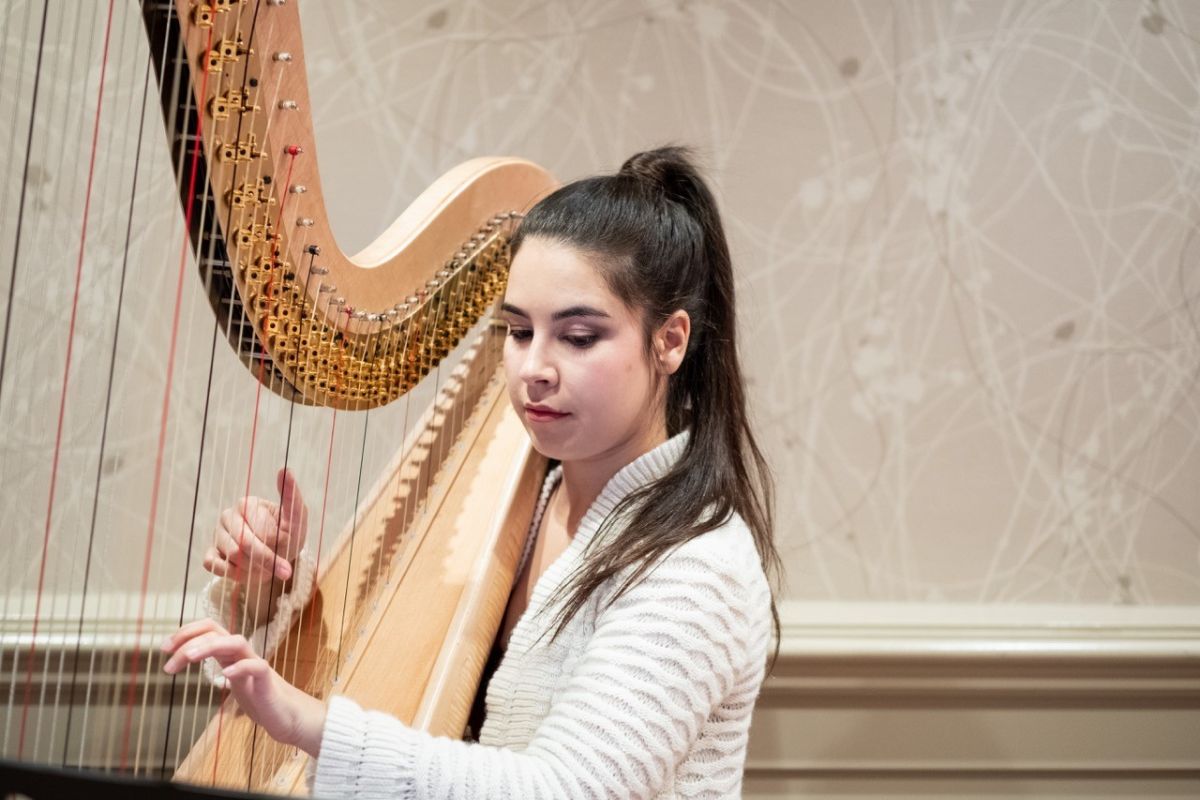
537,367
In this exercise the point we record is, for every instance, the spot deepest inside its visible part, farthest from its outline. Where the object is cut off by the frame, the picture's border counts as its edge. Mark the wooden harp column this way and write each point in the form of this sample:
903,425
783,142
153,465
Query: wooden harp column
410,599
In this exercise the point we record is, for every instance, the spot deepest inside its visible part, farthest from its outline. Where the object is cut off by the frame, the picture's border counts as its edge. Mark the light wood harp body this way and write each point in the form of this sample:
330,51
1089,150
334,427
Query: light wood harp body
409,601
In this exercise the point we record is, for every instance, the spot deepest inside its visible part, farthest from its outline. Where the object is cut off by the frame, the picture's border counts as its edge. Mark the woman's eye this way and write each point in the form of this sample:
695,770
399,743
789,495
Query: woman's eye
581,339
520,334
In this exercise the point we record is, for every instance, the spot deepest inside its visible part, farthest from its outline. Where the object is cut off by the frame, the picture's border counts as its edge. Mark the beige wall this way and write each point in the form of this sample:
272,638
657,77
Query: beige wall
965,232
965,236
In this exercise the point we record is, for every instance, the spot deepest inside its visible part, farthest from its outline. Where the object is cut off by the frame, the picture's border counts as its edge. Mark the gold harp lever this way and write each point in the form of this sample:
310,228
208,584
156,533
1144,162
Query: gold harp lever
283,290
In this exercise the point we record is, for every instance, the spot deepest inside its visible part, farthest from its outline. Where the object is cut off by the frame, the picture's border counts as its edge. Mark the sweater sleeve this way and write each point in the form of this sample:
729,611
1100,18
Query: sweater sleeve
228,608
661,659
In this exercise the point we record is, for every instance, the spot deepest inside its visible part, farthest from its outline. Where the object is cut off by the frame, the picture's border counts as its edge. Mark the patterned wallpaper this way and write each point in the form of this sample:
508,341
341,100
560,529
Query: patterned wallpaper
965,231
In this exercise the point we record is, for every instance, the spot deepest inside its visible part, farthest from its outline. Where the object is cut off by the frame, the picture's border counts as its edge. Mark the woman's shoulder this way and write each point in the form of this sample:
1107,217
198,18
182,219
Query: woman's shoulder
723,562
728,550
713,587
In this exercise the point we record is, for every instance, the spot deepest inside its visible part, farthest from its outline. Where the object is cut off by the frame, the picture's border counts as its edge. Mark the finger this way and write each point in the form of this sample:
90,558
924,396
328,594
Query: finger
237,527
215,563
270,540
246,670
263,516
258,520
226,648
293,514
248,552
250,680
190,631
253,513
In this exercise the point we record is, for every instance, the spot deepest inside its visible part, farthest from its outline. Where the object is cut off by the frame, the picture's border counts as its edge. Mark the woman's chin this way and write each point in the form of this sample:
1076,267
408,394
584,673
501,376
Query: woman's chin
549,444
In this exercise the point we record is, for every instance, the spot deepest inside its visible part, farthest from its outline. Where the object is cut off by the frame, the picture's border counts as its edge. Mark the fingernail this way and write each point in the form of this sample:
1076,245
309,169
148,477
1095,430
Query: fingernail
166,645
283,571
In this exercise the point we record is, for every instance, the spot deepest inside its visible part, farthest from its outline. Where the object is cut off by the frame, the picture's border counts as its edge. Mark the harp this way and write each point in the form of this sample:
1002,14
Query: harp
412,589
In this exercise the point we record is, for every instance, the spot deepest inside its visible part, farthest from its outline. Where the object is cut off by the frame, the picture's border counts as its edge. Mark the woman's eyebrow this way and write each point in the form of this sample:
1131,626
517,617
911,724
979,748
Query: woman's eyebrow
573,311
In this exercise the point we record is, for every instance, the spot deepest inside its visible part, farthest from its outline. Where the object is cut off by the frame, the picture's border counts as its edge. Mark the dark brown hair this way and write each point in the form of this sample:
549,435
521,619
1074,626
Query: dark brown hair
654,232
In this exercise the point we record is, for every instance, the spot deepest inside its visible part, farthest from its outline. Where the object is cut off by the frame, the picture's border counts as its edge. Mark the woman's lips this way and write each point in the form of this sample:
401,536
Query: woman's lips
543,414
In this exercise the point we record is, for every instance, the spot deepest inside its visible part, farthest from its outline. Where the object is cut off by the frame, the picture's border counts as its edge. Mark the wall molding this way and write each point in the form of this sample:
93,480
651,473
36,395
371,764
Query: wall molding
869,698
879,651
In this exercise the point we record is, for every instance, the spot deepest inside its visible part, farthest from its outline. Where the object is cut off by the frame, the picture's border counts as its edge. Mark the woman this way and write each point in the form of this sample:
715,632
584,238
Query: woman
637,636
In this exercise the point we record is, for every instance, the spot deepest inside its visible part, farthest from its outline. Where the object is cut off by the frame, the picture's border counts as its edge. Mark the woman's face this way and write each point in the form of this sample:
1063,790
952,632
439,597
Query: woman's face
575,361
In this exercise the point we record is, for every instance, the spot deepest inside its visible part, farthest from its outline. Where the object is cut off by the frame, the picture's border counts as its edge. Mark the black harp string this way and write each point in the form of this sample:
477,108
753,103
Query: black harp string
180,87
260,353
11,152
406,325
12,281
37,237
468,361
54,203
325,291
116,141
388,348
383,348
449,287
180,170
232,259
129,728
420,456
312,251
108,392
385,343
353,510
203,196
12,289
253,174
114,654
206,265
276,251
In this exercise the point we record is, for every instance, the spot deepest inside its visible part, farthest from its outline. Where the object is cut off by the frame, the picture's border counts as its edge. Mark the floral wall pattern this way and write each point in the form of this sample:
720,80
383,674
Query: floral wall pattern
966,236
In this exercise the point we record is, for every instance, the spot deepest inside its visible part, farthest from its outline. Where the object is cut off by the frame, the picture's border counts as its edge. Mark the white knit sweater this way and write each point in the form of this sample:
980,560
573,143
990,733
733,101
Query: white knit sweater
649,696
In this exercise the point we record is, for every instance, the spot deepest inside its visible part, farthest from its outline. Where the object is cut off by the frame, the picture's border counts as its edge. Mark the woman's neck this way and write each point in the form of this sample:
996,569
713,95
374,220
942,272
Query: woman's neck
584,479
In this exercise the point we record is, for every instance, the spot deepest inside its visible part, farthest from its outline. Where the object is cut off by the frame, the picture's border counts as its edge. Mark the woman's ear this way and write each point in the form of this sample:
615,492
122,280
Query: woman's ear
671,341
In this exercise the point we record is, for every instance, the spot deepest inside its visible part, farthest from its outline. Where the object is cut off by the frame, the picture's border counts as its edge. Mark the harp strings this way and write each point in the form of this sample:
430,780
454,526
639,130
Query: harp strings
115,680
197,188
366,343
201,696
30,19
25,721
108,396
62,407
97,666
231,614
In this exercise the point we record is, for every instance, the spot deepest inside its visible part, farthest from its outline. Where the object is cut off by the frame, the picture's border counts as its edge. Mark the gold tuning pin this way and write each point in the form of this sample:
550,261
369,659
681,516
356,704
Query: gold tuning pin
250,195
245,149
203,10
227,51
220,106
255,233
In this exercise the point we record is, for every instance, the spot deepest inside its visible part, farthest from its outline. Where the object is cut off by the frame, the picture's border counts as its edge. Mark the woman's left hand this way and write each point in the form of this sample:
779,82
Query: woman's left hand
286,713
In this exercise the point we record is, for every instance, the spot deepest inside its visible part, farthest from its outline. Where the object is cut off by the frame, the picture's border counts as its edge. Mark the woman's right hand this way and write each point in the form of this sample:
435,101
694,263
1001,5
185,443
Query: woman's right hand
257,540
286,713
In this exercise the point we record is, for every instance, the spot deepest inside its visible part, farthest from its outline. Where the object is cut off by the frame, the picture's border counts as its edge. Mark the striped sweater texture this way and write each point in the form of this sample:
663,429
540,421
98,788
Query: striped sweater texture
647,696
